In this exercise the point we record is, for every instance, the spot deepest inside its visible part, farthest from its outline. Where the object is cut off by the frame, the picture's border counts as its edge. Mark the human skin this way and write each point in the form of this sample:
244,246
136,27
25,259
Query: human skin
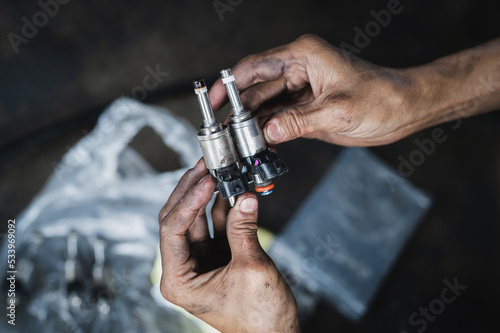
243,293
312,89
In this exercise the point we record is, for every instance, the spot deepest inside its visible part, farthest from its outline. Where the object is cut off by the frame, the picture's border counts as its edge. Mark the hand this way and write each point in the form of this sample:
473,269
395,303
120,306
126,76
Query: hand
244,294
311,89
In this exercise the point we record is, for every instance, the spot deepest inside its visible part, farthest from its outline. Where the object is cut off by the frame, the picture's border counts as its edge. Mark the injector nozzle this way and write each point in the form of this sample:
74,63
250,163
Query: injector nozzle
218,149
259,161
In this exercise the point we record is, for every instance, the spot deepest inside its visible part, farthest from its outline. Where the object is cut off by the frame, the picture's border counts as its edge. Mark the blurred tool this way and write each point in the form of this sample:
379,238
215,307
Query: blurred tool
218,149
88,239
101,295
99,255
27,262
260,162
71,272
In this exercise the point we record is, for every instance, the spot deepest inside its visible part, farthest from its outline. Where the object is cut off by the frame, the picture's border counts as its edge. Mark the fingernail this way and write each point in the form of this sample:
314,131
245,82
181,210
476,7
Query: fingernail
273,131
248,205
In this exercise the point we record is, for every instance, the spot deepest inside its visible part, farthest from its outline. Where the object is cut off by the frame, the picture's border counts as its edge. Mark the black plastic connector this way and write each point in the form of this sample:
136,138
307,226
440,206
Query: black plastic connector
231,181
266,164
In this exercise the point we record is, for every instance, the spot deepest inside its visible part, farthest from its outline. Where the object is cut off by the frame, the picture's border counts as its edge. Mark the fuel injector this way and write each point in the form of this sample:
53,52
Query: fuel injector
218,149
260,162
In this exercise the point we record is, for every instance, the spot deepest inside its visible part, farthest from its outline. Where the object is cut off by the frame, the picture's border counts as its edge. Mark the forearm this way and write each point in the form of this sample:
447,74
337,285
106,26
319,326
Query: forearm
460,85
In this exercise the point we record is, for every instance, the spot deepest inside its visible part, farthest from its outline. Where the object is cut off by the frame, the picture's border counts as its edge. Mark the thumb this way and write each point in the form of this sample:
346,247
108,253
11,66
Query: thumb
242,226
291,123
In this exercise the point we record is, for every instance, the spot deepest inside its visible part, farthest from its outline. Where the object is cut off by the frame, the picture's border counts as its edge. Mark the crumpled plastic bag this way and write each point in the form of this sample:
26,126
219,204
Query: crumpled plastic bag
86,244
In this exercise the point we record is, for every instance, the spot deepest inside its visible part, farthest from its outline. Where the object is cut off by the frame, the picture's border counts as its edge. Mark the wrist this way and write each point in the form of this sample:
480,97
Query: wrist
401,90
423,98
456,86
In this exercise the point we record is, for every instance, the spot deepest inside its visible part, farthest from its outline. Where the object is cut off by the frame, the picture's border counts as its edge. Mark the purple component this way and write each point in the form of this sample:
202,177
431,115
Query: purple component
256,162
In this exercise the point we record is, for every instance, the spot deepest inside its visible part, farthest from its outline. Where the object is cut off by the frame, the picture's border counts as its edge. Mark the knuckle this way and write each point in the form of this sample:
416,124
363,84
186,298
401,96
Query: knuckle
296,122
308,39
161,215
187,176
249,62
248,58
164,227
172,290
168,292
244,228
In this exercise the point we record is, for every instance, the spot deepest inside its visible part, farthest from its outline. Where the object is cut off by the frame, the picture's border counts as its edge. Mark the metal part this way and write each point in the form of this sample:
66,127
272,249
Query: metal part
70,264
27,262
71,269
200,89
232,92
248,135
218,149
99,258
262,164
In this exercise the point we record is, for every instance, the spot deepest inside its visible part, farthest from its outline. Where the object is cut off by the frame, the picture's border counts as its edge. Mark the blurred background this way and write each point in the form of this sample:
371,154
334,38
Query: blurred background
57,78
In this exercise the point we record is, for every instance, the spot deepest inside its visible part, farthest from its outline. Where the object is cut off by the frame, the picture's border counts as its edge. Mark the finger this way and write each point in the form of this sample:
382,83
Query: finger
242,228
265,66
328,113
283,101
261,67
219,214
217,95
292,122
258,94
191,177
342,140
174,240
198,231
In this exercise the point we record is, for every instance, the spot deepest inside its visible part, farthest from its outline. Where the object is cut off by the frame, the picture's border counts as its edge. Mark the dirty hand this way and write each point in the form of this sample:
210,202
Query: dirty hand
244,294
311,89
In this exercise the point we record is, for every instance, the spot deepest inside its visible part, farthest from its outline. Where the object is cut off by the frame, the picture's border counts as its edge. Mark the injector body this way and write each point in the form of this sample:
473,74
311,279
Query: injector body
259,161
218,149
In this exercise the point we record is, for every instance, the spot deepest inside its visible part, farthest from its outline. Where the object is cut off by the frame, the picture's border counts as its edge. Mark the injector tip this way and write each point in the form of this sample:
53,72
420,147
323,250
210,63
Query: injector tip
199,83
226,72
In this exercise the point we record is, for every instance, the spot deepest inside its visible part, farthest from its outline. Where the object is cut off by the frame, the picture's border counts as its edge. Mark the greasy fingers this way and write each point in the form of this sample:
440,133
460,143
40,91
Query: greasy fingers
174,241
219,214
262,67
199,229
255,96
293,122
242,227
324,93
191,177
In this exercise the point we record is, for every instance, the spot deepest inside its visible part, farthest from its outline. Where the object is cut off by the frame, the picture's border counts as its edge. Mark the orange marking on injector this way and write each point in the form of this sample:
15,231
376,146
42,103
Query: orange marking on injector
265,188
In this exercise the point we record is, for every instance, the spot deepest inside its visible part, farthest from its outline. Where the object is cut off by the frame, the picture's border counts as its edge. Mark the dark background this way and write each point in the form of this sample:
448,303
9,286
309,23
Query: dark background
91,52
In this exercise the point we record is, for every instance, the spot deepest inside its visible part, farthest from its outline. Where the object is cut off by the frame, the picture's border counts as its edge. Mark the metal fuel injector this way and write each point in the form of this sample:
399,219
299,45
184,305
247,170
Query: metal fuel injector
218,149
260,162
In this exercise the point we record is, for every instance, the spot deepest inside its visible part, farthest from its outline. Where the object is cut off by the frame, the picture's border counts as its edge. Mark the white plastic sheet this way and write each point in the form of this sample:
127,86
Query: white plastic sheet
103,192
